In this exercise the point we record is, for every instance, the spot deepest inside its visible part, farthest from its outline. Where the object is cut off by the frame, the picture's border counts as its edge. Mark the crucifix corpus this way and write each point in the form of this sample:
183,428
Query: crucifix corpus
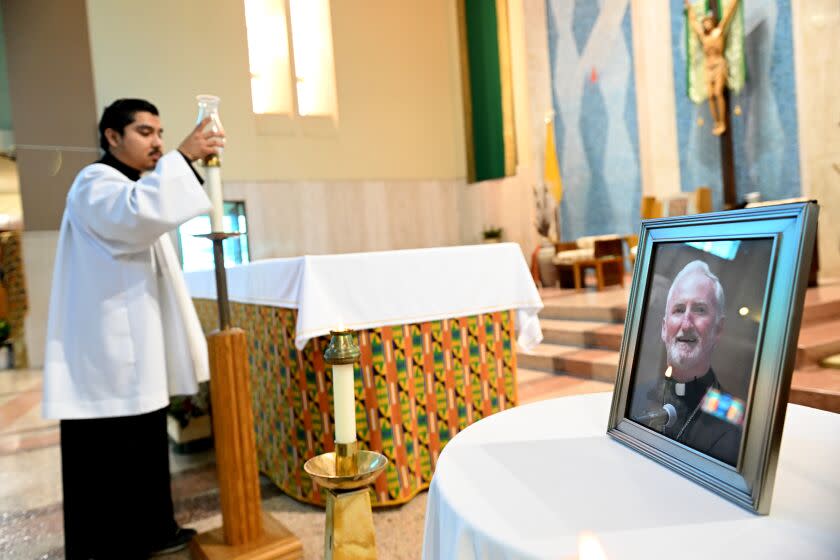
712,36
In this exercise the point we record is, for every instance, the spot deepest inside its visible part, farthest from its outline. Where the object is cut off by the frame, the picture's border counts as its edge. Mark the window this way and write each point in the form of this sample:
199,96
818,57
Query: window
290,42
197,252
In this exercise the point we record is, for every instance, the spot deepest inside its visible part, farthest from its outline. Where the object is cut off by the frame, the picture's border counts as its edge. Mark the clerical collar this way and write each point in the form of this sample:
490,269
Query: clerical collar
694,390
127,170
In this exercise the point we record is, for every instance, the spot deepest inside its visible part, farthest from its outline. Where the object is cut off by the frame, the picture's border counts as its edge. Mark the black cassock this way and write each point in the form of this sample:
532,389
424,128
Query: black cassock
698,430
117,493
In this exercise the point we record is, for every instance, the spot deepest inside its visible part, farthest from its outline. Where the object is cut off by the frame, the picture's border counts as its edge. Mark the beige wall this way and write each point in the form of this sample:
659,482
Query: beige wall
398,95
393,170
391,175
816,36
316,216
347,216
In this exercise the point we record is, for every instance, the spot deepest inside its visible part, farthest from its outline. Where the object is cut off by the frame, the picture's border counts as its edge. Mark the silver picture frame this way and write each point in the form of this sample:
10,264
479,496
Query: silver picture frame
784,236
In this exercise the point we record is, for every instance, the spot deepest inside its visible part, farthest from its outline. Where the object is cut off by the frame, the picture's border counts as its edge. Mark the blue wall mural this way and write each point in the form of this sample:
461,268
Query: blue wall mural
765,134
594,98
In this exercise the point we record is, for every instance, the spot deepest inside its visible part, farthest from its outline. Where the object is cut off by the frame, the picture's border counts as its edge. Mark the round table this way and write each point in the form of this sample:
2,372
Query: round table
528,482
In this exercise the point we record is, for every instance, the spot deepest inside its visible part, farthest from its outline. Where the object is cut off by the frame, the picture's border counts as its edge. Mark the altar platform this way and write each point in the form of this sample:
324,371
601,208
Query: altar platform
438,331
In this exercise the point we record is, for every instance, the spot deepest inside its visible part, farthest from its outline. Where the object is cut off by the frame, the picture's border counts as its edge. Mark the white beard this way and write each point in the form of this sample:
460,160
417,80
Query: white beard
684,356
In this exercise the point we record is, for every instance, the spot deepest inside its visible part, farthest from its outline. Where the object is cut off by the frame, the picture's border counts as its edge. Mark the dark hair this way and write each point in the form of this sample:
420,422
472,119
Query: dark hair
119,114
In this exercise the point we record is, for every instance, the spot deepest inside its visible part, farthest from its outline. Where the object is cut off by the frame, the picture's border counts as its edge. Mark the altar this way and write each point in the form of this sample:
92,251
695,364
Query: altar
437,328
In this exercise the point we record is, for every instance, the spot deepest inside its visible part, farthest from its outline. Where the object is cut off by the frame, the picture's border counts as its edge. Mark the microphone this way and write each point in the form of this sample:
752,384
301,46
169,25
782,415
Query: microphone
666,417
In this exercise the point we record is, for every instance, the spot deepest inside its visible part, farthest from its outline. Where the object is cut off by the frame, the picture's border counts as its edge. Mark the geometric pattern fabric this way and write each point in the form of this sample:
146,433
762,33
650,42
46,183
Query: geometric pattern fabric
14,280
416,386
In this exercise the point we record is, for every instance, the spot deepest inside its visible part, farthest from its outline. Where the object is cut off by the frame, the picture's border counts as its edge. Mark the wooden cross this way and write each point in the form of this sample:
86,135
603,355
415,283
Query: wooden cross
727,153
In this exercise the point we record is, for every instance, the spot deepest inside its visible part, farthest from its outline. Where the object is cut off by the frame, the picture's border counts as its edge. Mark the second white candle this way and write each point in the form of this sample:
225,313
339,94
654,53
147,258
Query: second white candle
344,400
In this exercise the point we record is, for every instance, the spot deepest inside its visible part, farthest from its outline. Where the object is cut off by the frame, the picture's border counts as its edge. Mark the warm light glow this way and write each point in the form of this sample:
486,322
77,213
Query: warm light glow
743,311
589,547
669,371
313,56
268,56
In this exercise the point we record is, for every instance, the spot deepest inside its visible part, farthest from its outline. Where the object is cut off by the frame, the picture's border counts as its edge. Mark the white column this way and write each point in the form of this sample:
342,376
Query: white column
816,40
655,98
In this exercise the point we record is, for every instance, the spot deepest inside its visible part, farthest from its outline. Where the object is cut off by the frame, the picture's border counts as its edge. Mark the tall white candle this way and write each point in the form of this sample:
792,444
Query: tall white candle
214,191
345,403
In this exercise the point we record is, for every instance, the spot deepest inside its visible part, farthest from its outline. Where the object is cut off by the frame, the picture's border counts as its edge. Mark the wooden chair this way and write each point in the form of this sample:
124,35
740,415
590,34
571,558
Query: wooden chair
565,272
702,200
609,262
650,208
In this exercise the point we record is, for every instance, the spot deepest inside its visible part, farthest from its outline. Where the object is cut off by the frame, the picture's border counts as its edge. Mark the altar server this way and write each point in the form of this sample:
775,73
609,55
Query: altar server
122,335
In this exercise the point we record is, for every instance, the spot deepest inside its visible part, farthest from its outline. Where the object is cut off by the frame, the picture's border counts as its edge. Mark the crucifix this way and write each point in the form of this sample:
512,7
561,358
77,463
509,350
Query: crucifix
711,32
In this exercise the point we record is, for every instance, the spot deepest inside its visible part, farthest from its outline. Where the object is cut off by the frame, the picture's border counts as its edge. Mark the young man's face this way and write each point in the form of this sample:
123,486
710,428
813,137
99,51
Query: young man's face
141,144
690,328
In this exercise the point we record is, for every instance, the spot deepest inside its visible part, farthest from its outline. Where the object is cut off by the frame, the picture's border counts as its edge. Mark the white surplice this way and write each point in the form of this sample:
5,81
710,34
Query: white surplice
122,335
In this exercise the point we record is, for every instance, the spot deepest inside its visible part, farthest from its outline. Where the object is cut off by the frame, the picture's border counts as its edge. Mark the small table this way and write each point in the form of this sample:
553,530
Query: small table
527,482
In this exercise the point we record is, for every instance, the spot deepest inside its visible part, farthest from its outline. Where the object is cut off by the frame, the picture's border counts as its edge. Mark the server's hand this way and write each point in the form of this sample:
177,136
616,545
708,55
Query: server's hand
200,144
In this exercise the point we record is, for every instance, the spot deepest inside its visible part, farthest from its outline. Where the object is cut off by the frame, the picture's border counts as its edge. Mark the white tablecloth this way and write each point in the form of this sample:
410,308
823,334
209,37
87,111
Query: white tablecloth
525,483
364,290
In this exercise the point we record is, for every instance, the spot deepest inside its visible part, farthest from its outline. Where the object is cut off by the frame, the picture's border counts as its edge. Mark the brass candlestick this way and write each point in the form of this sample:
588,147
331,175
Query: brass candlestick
345,474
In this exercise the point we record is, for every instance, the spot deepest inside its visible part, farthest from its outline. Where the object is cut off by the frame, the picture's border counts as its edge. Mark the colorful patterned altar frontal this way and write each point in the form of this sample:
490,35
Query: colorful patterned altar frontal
416,387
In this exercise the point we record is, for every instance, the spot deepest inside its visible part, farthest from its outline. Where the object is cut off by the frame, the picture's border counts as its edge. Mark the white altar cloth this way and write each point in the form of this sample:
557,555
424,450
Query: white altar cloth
365,290
526,482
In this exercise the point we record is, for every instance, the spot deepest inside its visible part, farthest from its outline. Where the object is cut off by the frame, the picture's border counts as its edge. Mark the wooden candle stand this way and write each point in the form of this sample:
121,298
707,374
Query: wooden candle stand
247,532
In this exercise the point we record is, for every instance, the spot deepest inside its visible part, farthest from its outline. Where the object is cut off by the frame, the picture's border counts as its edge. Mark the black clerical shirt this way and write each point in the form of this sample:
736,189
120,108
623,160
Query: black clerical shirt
695,428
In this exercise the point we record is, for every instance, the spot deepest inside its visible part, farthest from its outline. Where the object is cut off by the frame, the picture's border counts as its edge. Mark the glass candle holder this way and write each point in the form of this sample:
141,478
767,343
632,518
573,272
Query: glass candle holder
208,106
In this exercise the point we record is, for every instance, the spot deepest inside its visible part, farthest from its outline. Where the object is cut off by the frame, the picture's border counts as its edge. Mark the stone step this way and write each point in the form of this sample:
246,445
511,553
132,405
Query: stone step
817,341
822,303
525,376
589,334
583,312
586,363
816,387
553,386
608,305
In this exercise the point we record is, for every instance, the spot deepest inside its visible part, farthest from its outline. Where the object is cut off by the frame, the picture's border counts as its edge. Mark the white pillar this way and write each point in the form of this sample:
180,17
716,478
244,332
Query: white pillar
655,98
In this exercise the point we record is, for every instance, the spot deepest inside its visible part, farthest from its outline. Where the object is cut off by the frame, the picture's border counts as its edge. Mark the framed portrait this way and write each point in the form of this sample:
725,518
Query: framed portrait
710,343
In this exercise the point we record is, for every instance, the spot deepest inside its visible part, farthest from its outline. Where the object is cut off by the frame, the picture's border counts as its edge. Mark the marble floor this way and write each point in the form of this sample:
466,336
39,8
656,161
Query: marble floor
30,481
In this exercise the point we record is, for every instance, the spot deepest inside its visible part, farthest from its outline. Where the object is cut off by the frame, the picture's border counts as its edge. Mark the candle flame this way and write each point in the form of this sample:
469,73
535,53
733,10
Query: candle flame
589,547
669,371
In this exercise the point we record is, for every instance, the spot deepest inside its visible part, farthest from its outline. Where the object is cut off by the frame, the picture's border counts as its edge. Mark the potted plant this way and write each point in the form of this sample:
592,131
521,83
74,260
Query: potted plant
544,271
492,234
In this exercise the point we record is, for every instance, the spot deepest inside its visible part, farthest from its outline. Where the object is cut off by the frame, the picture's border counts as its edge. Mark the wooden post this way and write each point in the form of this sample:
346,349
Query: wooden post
247,533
